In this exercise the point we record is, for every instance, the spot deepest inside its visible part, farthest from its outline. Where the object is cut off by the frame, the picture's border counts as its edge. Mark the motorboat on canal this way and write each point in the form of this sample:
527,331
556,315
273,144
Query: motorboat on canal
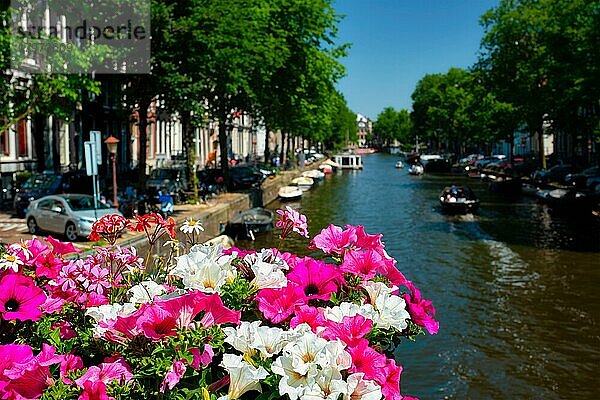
458,200
287,193
247,224
303,183
416,169
399,164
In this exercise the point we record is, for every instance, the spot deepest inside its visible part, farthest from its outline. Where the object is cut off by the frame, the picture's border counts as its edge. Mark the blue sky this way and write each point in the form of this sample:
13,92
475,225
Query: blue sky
396,42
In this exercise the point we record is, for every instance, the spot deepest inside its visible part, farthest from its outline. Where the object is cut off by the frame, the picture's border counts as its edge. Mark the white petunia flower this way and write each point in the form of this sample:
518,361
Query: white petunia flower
328,385
267,256
265,277
337,355
391,310
345,309
144,292
204,268
243,376
269,341
307,352
10,261
362,389
292,382
375,289
242,337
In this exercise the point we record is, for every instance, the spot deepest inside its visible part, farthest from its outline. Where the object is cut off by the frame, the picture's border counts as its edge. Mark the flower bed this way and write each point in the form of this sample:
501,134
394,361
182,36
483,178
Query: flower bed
204,322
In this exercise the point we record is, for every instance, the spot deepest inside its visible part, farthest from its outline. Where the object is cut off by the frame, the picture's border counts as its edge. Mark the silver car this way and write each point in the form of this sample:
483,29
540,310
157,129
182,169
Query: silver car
68,214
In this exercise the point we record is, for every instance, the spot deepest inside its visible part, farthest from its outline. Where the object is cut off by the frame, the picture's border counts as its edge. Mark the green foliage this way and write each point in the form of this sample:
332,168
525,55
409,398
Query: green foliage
392,125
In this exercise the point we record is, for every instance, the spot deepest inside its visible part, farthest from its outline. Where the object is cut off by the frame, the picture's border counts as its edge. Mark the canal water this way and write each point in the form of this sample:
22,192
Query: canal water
516,287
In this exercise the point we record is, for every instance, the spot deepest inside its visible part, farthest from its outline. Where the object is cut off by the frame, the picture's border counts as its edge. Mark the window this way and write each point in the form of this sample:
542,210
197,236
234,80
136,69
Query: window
22,138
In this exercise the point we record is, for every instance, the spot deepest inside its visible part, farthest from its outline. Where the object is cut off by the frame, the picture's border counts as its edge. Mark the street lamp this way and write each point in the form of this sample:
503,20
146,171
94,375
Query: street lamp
111,144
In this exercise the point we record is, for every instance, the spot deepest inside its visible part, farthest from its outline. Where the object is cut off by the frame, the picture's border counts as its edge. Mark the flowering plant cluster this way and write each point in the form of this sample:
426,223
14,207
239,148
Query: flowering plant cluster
211,323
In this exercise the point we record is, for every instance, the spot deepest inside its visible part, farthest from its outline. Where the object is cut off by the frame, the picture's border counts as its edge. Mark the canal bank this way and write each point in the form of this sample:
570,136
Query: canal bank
216,212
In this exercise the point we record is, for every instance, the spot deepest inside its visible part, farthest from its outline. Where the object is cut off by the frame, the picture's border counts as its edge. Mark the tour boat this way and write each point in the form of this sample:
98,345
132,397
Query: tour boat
461,200
303,183
249,223
290,193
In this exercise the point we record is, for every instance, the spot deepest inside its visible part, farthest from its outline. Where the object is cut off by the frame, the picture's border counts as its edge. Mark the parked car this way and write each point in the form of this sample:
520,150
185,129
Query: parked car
171,181
69,214
245,177
584,178
556,174
40,185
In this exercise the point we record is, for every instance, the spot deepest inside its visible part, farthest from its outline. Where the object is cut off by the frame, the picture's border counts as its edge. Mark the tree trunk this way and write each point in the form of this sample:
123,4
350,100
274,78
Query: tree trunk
55,145
267,151
143,137
282,156
224,148
540,132
190,154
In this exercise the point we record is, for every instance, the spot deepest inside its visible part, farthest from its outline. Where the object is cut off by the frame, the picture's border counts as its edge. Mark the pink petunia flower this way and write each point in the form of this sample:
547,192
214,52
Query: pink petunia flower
364,241
28,377
70,362
278,304
62,248
350,331
362,263
367,360
201,359
390,385
65,330
310,315
421,310
107,372
48,265
215,312
20,298
94,390
174,375
157,323
291,221
316,279
333,240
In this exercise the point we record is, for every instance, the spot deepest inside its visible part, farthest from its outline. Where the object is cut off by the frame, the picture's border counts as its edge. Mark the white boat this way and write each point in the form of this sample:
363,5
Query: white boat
290,193
399,164
326,168
314,174
303,183
416,170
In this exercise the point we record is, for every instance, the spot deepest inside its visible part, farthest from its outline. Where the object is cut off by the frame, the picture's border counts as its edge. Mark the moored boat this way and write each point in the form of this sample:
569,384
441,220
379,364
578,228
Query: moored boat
289,193
314,174
249,223
303,183
459,200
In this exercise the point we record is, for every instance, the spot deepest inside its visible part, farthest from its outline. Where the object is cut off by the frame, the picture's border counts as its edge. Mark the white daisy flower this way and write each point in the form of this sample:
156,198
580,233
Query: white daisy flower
191,226
10,261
